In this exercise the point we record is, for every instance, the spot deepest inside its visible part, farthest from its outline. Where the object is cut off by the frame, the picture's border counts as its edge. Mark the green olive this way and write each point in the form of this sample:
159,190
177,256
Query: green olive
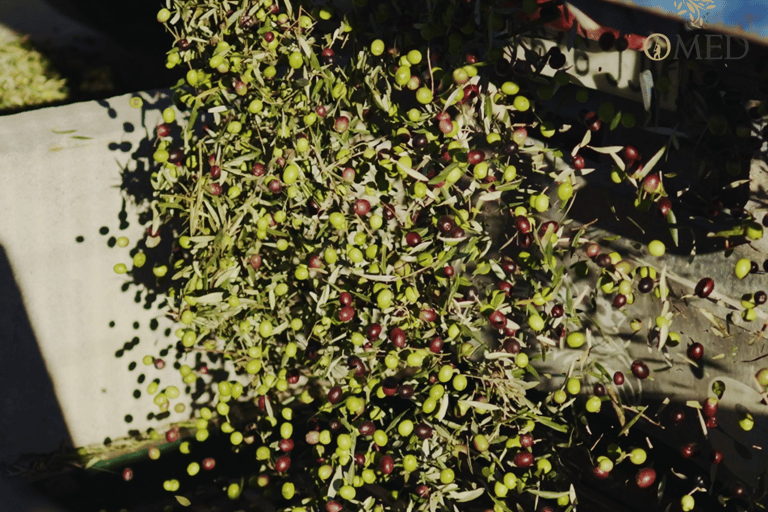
743,268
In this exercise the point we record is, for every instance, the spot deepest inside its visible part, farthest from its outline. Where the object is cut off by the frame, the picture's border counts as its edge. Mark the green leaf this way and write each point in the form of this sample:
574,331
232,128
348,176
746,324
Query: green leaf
647,168
210,298
631,422
673,230
465,496
548,495
552,424
480,406
616,120
441,177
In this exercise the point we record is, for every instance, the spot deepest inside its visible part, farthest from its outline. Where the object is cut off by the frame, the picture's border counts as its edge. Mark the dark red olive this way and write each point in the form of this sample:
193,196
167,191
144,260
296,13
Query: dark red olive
711,422
175,156
651,183
526,440
334,395
423,431
630,154
664,205
599,390
547,226
421,142
704,287
645,285
737,491
445,125
335,425
275,186
578,162
505,287
163,130
373,332
172,435
509,265
592,121
716,456
645,478
286,445
522,224
512,346
709,408
427,315
333,506
618,378
525,241
475,156
316,262
413,239
209,463
689,450
346,313
422,490
448,270
292,376
761,297
355,363
498,320
283,463
603,261
509,149
445,224
436,345
127,474
523,459
695,351
387,464
389,386
397,337
406,391
599,473
321,111
341,124
619,300
640,369
677,416
593,250
345,298
367,428
557,311
362,207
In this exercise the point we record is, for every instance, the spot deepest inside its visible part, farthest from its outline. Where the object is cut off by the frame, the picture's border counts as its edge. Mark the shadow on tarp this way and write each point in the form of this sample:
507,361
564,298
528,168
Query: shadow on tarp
26,388
137,191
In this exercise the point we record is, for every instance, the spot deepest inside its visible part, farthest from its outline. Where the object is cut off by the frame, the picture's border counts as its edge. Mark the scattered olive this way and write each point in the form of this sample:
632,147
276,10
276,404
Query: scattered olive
645,478
645,285
640,369
704,287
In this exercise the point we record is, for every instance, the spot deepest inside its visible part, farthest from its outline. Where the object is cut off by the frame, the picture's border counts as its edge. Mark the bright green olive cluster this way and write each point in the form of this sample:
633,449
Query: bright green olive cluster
327,194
